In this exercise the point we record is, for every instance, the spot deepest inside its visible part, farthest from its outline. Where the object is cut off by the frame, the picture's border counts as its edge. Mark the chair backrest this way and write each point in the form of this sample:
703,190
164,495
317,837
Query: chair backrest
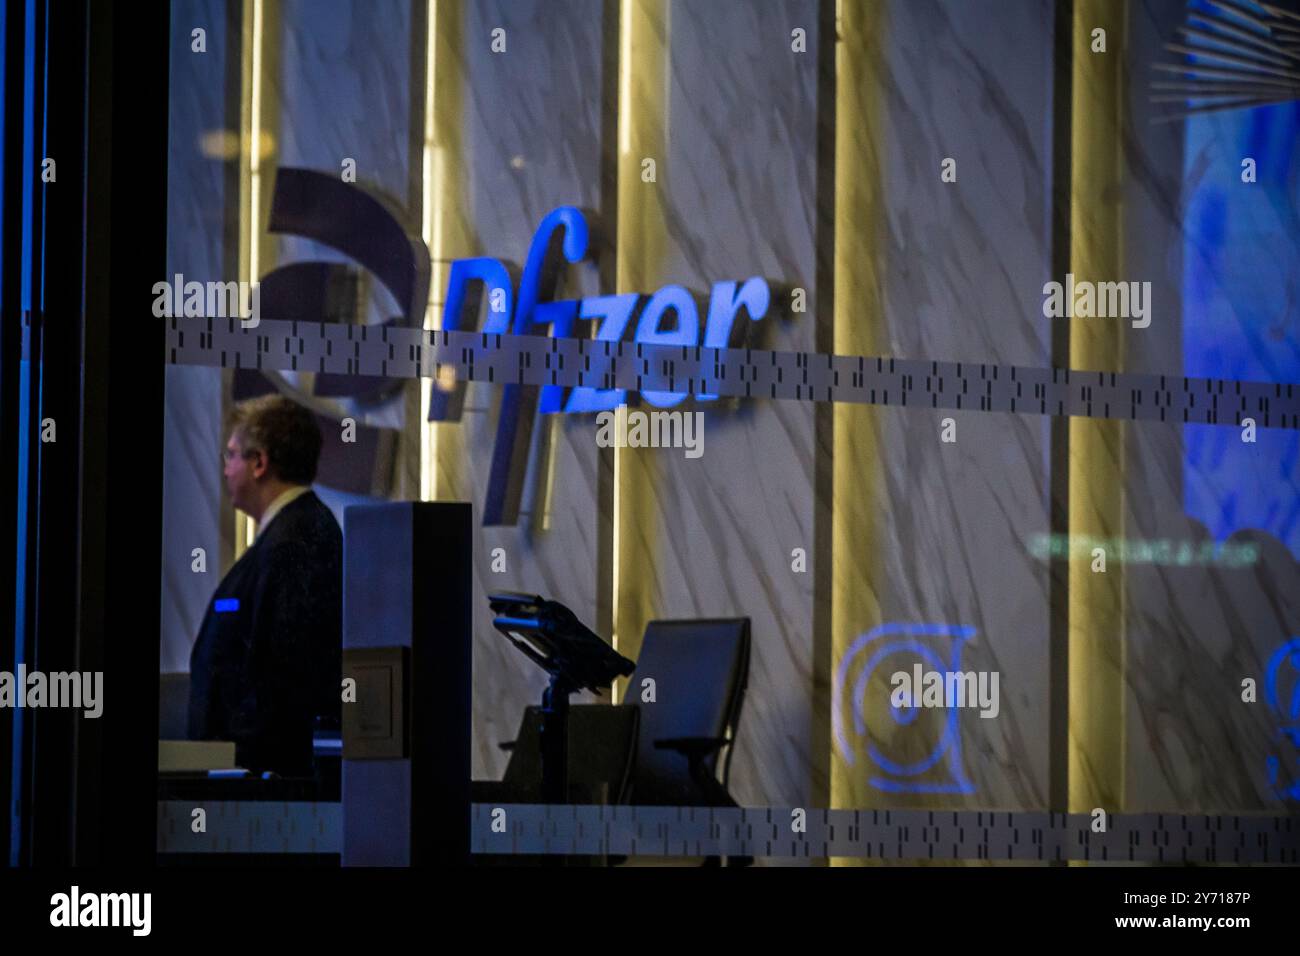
602,751
700,670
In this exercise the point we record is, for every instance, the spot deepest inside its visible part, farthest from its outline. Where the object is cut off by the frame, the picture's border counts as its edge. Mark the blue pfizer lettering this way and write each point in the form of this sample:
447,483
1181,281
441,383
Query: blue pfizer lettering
457,314
531,304
616,311
541,267
724,305
560,317
494,276
574,247
565,230
686,332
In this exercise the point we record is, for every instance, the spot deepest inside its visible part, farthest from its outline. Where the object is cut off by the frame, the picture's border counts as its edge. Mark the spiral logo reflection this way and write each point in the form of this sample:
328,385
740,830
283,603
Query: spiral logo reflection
937,645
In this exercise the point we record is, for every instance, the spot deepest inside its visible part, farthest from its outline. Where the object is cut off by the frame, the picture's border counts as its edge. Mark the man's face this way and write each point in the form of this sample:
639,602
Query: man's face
242,470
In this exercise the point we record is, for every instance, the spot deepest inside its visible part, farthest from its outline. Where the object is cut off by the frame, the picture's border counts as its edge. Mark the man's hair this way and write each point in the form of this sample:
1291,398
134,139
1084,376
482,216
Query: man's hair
281,428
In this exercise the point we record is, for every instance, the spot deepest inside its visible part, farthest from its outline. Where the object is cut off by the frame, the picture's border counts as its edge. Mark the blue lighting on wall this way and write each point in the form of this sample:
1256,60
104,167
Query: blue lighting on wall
1241,312
1284,669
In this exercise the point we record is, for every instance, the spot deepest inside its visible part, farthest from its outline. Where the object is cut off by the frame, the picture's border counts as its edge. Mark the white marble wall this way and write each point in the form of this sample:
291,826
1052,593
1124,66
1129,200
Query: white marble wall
343,91
739,187
531,141
966,262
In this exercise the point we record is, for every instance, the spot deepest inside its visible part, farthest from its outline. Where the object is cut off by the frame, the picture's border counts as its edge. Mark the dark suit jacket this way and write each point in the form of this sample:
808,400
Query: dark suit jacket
268,656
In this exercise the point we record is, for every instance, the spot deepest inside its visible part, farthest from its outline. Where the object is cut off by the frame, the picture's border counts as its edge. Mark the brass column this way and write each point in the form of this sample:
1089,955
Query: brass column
640,232
259,115
1096,460
857,530
445,231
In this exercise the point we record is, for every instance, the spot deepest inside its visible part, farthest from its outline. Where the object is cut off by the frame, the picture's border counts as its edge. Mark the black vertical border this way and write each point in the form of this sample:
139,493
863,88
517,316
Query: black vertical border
123,398
12,325
95,569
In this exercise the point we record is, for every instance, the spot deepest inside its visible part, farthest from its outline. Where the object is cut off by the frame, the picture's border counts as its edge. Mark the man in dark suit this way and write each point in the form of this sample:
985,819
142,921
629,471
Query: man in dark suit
267,660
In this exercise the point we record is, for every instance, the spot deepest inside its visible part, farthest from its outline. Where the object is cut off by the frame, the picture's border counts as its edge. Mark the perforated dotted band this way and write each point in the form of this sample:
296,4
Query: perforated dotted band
289,827
741,373
883,834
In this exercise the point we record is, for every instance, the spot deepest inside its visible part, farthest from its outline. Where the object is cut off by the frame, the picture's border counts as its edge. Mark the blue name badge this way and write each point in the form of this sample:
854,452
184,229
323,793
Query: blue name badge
225,605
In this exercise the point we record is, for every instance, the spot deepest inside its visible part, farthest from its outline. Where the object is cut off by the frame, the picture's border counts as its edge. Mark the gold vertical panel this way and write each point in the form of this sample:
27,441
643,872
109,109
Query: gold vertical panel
258,114
640,240
446,231
1096,465
412,453
857,533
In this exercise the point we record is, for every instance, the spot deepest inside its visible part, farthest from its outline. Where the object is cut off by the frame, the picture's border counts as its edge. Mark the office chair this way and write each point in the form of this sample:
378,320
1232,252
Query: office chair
700,670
